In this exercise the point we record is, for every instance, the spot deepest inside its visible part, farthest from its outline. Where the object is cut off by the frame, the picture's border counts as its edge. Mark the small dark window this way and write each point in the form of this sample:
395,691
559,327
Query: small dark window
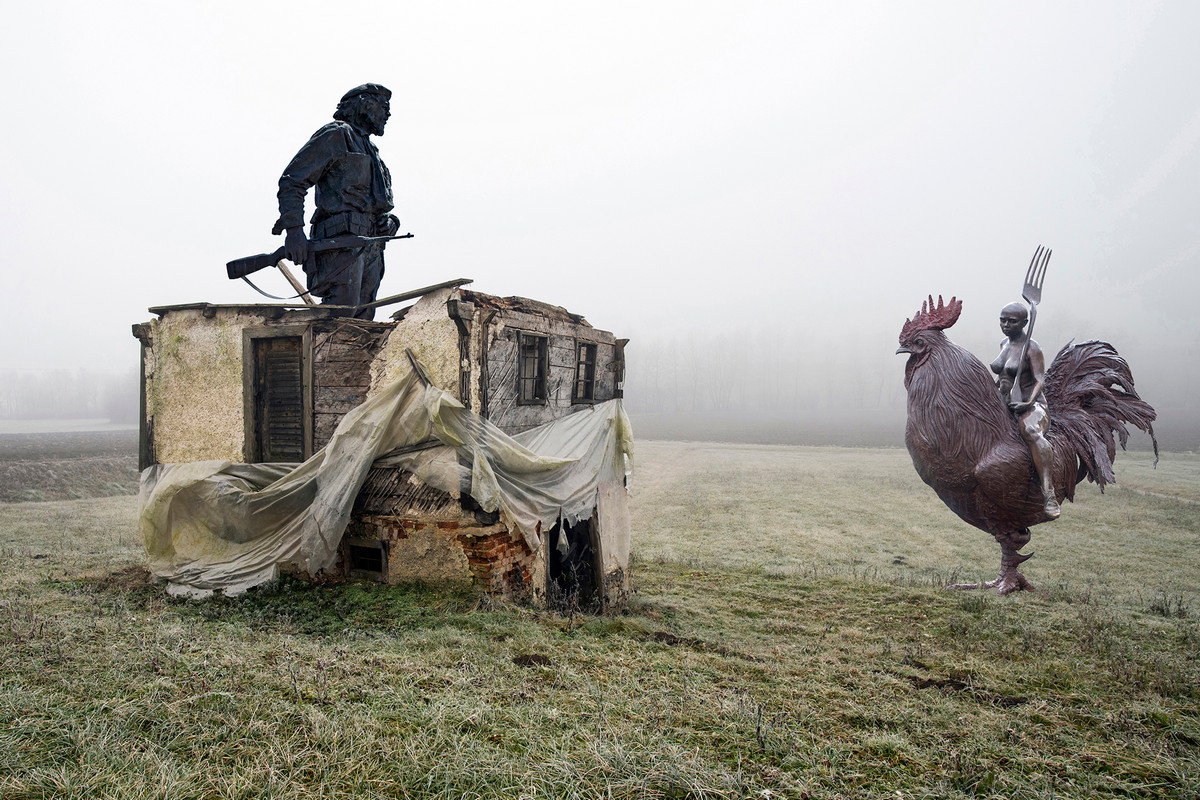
585,373
366,559
532,367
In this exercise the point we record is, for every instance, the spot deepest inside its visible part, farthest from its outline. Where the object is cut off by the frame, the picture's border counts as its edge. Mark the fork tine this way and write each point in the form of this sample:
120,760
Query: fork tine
1036,276
1033,264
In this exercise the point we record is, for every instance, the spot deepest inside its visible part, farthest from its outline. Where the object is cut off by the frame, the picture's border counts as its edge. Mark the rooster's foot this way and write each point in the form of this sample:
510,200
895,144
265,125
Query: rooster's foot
1006,582
1009,581
1010,578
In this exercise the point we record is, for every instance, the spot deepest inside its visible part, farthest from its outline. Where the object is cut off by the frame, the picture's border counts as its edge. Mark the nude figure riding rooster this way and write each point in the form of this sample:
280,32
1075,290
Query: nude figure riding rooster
967,444
1021,366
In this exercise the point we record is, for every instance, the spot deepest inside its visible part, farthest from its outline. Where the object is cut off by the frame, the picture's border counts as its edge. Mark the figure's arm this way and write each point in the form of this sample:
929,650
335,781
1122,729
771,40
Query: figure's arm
301,174
1036,364
387,225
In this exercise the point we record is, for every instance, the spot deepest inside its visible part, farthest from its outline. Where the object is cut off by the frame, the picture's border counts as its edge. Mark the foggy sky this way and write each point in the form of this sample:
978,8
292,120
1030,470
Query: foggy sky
667,169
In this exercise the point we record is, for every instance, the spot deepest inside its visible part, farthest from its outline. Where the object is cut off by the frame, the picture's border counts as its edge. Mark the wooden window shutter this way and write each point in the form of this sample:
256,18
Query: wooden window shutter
279,398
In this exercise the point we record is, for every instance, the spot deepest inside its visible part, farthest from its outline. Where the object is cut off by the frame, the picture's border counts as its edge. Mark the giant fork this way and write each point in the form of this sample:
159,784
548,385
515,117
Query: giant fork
1035,276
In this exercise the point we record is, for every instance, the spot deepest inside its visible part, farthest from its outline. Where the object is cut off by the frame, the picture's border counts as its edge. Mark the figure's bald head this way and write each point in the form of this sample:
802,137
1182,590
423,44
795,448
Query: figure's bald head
1013,318
1015,309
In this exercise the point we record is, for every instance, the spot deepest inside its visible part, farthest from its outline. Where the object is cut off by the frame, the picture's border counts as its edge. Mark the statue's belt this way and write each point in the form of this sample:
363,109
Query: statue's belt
354,222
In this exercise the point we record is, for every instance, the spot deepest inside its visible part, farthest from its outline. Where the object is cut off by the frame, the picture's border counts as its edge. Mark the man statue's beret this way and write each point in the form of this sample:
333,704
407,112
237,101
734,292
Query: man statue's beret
368,88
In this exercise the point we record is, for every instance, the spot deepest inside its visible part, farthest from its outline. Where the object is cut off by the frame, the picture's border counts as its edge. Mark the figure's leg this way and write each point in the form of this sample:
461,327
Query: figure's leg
372,274
338,277
1034,424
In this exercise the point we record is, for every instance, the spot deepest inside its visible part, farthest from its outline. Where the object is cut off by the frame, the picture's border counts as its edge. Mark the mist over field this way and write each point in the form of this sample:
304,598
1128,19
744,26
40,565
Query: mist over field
764,388
756,195
772,388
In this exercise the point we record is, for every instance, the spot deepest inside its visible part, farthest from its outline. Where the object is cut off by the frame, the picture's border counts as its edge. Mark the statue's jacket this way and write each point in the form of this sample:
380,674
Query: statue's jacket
353,186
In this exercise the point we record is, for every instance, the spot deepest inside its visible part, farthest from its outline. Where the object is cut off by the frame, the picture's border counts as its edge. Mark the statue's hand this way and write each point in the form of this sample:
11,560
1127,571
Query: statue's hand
296,245
1019,408
388,225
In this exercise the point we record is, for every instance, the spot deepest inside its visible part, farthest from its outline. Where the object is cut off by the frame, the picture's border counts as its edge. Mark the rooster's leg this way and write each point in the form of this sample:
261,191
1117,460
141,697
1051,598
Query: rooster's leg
1010,578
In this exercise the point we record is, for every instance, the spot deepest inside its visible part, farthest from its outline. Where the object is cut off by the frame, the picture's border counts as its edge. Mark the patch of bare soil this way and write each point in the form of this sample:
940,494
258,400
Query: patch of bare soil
126,579
132,583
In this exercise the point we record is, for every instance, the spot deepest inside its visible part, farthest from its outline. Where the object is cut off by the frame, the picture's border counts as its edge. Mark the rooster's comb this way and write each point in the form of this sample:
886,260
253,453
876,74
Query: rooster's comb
932,318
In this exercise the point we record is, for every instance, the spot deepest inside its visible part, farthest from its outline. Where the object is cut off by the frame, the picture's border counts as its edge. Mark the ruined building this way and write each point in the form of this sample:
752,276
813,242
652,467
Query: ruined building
259,384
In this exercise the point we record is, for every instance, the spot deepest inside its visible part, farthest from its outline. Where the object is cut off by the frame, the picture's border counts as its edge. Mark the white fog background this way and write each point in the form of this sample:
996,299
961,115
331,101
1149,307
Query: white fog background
756,194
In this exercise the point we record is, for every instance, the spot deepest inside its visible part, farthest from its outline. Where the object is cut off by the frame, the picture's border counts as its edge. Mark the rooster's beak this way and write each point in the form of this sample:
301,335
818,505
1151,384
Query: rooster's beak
903,349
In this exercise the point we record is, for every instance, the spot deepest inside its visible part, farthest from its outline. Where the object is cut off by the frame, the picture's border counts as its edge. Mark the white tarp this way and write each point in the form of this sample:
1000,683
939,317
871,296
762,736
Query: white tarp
218,525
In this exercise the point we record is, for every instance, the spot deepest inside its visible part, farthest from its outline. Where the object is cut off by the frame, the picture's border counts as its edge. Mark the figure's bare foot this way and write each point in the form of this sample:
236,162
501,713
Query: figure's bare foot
1053,510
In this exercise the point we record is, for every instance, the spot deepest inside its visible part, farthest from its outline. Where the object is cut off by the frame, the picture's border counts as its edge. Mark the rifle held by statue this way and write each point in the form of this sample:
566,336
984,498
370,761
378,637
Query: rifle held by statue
241,267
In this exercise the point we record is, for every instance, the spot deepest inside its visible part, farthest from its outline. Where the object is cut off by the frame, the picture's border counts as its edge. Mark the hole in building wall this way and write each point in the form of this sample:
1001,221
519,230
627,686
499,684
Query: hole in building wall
571,584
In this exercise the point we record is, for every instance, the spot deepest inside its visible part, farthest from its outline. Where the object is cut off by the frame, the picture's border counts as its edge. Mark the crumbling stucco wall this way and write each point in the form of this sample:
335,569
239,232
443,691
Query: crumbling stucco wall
194,398
459,552
430,554
432,336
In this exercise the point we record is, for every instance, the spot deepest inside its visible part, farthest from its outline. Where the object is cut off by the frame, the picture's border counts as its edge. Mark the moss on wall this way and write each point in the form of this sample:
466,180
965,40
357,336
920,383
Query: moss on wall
194,385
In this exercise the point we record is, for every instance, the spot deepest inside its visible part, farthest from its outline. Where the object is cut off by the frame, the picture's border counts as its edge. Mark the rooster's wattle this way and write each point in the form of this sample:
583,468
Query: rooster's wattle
965,443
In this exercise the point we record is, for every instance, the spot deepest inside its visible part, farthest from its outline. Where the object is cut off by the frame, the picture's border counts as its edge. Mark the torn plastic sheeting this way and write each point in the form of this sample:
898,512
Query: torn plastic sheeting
216,525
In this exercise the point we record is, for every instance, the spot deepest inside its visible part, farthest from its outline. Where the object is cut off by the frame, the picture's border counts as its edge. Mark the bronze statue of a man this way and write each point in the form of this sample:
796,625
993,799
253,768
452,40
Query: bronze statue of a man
353,196
1028,403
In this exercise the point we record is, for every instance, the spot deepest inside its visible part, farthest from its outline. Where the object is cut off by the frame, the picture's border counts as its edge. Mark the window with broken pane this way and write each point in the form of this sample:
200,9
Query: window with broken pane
585,373
532,366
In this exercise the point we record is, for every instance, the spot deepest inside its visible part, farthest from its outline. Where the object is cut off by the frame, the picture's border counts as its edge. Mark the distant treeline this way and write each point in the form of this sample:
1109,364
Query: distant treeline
774,388
69,394
838,388
731,372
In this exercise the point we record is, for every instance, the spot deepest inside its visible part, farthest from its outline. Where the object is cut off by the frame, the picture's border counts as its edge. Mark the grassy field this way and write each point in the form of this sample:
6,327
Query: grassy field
789,638
67,465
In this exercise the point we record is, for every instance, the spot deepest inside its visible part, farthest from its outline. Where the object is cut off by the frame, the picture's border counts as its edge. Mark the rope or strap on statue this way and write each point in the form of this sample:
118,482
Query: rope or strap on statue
396,298
287,273
305,295
296,284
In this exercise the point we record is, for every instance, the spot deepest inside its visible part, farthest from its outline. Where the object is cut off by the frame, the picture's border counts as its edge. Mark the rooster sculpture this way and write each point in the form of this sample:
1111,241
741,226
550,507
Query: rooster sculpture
965,443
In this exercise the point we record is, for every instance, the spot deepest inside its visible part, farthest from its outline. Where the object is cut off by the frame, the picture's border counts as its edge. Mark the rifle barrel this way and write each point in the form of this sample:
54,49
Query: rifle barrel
241,267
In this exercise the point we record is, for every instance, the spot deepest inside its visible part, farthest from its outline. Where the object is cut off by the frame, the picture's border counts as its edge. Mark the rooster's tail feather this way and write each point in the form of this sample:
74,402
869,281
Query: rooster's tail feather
1090,396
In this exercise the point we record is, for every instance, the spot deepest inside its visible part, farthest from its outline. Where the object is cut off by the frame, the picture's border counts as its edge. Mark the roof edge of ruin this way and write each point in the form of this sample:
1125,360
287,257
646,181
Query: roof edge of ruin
524,305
